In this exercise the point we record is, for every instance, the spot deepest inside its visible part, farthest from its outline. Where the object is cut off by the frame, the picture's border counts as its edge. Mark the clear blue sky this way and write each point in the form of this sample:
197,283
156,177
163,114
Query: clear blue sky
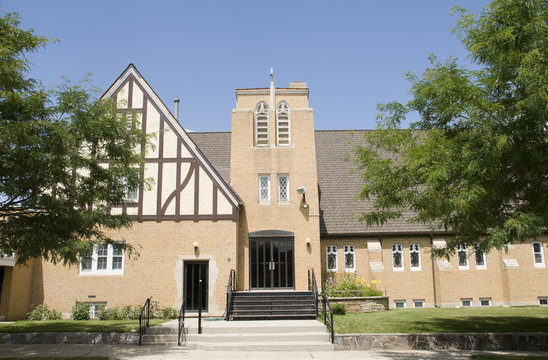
352,54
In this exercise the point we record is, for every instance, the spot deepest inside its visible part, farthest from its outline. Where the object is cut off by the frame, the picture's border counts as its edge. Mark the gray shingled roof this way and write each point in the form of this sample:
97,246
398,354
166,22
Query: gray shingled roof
216,148
337,186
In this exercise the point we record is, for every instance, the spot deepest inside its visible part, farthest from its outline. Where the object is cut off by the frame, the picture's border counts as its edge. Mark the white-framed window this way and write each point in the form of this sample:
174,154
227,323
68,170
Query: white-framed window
105,260
462,256
95,308
418,303
283,188
397,258
543,300
399,304
466,302
538,254
349,258
485,301
480,257
282,124
261,124
415,257
331,258
131,195
264,188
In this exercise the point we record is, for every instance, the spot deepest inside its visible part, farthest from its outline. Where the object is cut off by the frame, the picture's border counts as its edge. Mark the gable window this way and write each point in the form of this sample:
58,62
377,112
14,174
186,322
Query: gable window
105,259
397,261
261,124
331,258
538,254
264,188
283,188
415,256
462,254
349,258
480,257
282,124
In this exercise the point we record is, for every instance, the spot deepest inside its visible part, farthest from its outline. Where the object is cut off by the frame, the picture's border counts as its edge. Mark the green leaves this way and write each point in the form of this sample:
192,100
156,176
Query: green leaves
476,163
64,157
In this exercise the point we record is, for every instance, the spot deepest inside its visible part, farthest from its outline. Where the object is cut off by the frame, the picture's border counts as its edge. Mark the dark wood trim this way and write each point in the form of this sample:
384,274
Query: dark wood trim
130,93
160,168
214,201
186,217
143,153
392,234
197,193
124,209
177,191
122,111
178,181
170,160
235,213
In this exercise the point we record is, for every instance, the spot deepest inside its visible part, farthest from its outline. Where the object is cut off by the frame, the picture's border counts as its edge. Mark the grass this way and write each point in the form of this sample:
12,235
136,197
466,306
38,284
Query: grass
508,357
445,320
120,326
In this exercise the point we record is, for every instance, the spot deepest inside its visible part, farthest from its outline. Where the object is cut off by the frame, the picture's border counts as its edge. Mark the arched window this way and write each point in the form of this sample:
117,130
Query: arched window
282,124
261,124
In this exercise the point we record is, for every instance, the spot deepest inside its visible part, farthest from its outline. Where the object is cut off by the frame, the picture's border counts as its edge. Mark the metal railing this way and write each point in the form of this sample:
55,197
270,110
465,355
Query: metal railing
144,320
181,332
328,321
230,287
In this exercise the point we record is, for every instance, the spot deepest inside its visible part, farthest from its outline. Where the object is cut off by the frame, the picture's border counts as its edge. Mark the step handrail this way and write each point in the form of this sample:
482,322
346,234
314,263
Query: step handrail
313,286
328,321
181,323
230,288
144,320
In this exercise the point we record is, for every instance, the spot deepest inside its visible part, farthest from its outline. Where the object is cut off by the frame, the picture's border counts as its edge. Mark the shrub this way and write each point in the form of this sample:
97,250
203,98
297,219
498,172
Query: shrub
42,312
339,309
80,311
111,313
169,313
350,285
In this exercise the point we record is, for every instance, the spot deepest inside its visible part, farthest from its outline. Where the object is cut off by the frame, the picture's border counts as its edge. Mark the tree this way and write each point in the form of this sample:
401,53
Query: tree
475,164
65,156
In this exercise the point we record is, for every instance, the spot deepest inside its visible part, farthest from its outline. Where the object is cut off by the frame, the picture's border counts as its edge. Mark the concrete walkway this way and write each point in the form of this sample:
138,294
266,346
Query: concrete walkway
157,353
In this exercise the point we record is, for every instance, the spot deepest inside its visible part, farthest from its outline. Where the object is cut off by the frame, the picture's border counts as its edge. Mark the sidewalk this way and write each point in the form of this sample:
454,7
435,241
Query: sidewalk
158,352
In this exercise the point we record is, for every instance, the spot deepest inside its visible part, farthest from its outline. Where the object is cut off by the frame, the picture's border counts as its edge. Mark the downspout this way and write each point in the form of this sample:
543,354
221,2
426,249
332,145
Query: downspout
433,269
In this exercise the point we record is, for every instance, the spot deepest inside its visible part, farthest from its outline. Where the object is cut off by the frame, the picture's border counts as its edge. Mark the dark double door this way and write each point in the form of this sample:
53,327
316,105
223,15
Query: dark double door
272,263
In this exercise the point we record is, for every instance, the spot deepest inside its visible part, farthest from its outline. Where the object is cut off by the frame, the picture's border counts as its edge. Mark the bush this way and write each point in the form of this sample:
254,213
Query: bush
339,309
112,313
42,312
132,312
350,285
80,311
169,313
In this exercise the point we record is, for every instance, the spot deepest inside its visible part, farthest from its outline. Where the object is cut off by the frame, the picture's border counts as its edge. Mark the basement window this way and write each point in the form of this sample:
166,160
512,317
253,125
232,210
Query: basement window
399,304
418,303
485,301
466,302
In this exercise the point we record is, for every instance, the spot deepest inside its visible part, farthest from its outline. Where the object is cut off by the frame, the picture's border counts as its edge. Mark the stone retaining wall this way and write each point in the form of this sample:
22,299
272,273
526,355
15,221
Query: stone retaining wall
69,338
364,304
488,341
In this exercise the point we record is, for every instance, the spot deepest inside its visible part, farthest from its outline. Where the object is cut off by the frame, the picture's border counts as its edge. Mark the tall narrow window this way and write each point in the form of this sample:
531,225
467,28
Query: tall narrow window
538,254
480,257
102,256
331,258
117,257
261,124
282,128
283,188
349,258
397,261
415,256
264,188
462,253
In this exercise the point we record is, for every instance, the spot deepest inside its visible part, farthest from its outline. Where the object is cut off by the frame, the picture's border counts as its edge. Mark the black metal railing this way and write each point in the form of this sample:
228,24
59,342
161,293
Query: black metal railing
230,287
181,332
313,286
327,320
144,320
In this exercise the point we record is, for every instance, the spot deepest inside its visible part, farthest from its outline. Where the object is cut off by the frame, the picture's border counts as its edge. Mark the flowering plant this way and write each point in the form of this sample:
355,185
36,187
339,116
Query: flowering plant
350,284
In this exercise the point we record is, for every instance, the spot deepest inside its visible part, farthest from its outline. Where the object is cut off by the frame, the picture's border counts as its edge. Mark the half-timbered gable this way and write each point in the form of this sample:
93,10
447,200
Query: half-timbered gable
185,184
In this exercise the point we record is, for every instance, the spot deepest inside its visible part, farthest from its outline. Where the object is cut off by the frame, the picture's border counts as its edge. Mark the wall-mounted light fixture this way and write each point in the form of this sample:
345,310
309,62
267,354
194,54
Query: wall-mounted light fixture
307,241
195,245
302,191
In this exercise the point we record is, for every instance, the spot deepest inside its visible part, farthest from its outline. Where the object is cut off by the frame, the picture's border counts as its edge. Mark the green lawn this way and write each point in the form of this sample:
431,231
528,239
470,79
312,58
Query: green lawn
74,326
436,320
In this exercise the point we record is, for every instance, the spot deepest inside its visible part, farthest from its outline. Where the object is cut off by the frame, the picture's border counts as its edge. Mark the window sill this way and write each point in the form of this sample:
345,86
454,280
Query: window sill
397,269
464,267
350,270
540,266
416,269
479,267
101,273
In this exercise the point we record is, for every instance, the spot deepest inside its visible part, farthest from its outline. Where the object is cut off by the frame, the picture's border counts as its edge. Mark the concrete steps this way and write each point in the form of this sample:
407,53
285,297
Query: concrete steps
255,305
265,335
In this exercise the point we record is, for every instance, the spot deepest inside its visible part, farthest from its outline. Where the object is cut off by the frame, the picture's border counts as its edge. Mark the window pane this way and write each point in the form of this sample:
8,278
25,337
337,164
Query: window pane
397,260
414,259
101,263
480,261
349,261
283,191
86,264
331,261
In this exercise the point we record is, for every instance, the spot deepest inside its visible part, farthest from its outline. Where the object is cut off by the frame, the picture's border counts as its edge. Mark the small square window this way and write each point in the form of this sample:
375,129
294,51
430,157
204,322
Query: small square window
465,302
485,301
543,300
418,303
399,304
95,309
